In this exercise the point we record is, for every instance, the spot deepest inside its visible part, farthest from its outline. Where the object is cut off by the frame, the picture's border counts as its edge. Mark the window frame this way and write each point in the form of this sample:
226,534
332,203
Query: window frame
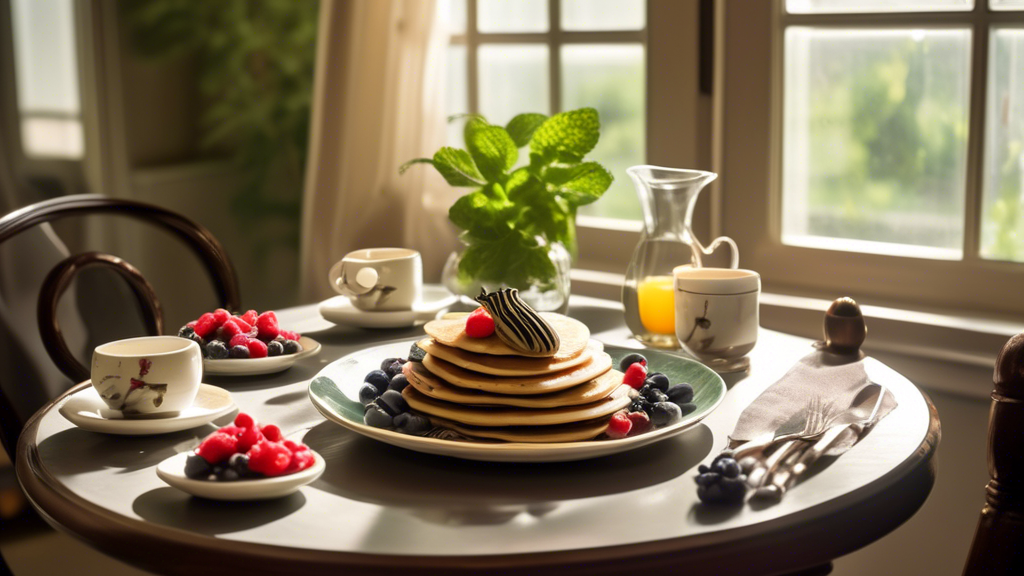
678,116
751,104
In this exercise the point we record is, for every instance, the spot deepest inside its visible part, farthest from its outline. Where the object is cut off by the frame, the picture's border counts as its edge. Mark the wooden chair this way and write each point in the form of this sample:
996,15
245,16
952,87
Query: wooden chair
998,546
198,238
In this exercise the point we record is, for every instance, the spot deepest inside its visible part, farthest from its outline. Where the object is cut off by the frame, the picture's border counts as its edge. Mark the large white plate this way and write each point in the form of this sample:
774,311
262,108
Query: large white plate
88,411
335,392
341,311
172,471
255,366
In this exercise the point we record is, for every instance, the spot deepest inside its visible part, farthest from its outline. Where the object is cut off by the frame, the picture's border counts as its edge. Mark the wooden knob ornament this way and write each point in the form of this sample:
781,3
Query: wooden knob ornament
845,330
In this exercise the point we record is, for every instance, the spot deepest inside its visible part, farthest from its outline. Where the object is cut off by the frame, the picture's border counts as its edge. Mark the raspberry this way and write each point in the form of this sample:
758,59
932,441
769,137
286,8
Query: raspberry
301,460
205,325
619,426
243,324
641,423
249,438
256,348
230,430
479,324
267,326
220,316
289,335
249,317
239,340
635,375
295,446
271,432
217,447
243,420
229,330
269,458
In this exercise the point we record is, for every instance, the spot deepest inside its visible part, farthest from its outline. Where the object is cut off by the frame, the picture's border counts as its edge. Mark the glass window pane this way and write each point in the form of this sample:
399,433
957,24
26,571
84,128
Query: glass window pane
513,79
453,15
610,78
603,14
46,66
512,15
52,137
1002,224
456,96
875,140
807,6
1006,4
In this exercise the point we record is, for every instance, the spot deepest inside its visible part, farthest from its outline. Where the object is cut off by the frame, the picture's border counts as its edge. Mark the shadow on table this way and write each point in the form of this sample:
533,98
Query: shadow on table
173,508
76,451
447,490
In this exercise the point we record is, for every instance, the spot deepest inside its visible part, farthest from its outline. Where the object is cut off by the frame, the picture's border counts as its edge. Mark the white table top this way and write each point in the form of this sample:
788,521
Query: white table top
389,506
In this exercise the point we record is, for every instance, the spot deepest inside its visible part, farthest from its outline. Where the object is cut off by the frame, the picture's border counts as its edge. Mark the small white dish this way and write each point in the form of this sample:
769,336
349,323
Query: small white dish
172,471
256,366
435,299
88,411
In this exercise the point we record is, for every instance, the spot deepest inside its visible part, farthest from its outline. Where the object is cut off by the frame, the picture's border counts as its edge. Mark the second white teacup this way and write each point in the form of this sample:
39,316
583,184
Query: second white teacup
146,376
379,279
717,316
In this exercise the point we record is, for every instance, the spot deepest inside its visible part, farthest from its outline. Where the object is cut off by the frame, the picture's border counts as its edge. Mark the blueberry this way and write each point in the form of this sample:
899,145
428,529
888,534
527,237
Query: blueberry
394,400
394,369
657,380
641,404
733,489
275,348
387,362
240,464
186,332
413,423
727,467
654,395
665,413
291,347
378,378
368,393
681,393
398,383
416,353
376,416
631,359
228,475
216,350
239,352
196,467
707,478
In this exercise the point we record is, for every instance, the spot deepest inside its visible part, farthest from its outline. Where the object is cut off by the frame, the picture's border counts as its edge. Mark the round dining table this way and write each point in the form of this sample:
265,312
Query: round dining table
380,509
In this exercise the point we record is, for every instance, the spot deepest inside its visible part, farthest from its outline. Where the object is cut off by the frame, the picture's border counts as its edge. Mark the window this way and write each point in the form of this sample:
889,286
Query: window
46,77
508,57
885,148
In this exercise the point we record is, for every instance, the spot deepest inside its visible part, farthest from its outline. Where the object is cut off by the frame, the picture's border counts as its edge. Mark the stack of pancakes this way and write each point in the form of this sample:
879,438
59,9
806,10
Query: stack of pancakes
483,388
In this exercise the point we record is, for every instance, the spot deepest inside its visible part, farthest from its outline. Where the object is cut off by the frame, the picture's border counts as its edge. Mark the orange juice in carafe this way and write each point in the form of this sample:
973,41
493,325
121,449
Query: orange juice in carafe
656,300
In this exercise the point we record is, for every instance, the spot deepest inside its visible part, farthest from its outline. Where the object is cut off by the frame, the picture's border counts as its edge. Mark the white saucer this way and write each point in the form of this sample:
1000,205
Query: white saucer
256,366
172,471
341,311
87,410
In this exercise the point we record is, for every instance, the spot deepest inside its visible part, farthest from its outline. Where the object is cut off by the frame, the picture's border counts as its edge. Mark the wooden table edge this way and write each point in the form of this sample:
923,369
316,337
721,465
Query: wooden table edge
782,545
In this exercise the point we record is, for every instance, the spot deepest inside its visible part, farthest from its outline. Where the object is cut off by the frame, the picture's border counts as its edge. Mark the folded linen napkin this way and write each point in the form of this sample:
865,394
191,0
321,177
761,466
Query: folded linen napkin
818,379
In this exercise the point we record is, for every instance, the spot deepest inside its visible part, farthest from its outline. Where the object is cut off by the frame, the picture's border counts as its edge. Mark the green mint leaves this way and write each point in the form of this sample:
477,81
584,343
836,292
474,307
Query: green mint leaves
515,214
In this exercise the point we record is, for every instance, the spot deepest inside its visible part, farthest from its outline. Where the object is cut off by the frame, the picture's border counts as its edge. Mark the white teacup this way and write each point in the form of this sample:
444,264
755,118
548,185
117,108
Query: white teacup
379,279
149,375
717,315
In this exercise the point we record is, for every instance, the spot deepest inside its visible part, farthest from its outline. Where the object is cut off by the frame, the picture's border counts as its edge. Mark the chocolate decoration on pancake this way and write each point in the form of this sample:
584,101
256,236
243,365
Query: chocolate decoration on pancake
518,325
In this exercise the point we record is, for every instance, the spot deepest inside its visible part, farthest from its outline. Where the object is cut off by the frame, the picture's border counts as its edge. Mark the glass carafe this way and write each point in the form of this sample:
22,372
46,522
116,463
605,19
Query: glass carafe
668,196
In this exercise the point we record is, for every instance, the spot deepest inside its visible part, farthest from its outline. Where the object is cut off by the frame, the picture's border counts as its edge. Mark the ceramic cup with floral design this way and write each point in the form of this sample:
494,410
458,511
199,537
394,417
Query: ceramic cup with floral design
379,279
717,315
152,375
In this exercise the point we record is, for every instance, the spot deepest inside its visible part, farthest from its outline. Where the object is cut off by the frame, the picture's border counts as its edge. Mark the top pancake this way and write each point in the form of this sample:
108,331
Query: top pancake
573,335
507,365
522,385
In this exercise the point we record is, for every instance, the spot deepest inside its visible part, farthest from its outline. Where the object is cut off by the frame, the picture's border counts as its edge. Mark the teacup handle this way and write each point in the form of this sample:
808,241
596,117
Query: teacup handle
734,259
364,281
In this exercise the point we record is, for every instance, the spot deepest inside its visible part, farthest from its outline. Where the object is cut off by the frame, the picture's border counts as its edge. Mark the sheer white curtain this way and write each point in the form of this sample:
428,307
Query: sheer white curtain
378,101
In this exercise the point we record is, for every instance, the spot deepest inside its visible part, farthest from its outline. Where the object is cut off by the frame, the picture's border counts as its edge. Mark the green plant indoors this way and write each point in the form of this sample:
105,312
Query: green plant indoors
255,65
515,214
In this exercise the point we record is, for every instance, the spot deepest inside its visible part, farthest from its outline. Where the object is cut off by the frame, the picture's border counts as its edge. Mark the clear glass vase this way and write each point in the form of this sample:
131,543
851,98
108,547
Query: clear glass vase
543,294
667,196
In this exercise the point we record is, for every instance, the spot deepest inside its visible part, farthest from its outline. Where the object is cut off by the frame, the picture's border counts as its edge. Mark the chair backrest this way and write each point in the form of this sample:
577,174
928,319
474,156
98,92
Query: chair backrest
998,546
197,237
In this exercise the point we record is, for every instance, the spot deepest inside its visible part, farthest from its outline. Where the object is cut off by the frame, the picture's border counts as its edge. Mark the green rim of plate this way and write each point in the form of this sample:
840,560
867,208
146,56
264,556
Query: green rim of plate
342,400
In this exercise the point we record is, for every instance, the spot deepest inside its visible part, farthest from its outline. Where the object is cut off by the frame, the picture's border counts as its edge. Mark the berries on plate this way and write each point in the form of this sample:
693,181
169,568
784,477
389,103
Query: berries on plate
246,450
619,425
657,402
222,336
635,375
479,324
383,403
631,359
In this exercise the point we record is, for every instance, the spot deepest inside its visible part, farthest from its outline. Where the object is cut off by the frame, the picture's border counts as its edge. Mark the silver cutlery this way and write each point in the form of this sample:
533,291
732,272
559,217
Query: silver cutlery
807,423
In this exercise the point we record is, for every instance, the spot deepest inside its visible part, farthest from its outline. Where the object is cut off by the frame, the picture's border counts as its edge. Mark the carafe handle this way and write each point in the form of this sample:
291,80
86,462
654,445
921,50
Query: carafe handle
734,253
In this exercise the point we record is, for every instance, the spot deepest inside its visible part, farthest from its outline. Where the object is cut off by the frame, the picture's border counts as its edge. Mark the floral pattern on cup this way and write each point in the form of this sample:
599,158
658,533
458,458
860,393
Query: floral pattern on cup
139,393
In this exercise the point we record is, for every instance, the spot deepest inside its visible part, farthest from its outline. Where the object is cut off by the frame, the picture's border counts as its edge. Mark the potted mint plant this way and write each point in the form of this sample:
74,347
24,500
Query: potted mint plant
519,223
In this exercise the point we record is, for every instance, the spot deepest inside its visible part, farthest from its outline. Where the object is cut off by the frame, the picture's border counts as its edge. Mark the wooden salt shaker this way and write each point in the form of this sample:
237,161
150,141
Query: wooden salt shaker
845,330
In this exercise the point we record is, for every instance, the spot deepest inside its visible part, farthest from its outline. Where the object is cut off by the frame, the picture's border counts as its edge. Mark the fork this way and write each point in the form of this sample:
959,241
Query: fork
807,423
